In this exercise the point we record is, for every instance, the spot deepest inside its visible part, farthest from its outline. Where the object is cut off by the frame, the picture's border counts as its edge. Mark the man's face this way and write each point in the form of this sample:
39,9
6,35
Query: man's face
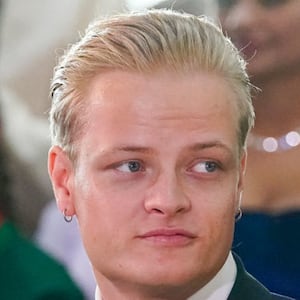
157,179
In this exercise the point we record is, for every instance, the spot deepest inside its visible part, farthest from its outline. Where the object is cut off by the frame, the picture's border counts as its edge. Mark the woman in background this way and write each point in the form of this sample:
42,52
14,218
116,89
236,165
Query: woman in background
268,235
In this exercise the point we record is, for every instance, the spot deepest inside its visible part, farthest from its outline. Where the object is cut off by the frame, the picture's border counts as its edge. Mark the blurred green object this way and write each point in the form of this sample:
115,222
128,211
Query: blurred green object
27,273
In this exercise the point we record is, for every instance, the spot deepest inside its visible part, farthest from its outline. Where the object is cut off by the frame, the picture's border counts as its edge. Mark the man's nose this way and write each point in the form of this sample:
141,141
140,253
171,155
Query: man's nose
167,196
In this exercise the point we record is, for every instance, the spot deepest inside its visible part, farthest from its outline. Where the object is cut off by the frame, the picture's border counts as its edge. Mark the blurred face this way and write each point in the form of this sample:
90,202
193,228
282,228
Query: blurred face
157,180
266,31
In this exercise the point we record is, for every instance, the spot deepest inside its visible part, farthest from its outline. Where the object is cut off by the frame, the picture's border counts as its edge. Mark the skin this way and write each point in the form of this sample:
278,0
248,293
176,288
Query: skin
272,179
157,181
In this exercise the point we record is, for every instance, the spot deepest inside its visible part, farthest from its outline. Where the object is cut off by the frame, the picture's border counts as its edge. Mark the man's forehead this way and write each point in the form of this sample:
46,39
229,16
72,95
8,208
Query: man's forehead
115,84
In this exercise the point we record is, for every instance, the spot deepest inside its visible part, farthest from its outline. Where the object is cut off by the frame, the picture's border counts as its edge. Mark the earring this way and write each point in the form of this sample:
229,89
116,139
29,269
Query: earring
238,215
68,219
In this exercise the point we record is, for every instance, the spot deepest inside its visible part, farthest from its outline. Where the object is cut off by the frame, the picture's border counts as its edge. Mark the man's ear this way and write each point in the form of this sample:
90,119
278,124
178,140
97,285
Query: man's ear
61,173
242,170
243,162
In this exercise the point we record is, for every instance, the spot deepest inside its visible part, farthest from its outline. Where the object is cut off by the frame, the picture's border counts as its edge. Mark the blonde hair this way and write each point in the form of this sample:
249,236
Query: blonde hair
143,42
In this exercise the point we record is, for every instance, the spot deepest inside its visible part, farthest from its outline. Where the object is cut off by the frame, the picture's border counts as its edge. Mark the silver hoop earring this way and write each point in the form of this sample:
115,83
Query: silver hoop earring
68,219
238,215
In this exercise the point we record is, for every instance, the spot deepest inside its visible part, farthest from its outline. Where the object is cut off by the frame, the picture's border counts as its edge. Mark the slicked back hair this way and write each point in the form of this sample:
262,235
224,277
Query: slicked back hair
143,42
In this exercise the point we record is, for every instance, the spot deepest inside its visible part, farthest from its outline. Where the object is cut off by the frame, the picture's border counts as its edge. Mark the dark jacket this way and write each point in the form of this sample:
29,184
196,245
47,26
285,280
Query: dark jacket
248,288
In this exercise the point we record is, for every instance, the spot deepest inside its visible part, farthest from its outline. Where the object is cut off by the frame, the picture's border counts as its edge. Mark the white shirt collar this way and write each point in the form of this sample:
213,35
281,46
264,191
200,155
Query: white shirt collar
218,288
221,285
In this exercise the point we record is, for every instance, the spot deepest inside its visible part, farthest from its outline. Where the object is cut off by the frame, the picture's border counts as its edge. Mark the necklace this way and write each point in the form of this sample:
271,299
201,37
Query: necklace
275,144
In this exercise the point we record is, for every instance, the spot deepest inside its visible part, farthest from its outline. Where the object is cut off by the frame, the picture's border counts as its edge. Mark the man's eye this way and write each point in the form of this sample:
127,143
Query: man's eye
205,167
130,166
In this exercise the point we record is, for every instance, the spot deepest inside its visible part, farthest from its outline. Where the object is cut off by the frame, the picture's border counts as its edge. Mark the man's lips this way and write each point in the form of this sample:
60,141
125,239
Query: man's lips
168,237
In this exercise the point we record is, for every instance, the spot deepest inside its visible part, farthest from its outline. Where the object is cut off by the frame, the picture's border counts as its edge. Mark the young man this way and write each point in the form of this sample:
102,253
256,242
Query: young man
149,119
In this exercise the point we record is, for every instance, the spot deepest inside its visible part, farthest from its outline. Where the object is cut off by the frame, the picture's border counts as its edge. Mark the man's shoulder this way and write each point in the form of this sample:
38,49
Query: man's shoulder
247,287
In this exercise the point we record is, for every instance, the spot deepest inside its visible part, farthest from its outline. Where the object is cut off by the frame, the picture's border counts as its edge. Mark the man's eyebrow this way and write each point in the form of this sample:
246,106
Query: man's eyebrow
209,145
196,147
138,149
